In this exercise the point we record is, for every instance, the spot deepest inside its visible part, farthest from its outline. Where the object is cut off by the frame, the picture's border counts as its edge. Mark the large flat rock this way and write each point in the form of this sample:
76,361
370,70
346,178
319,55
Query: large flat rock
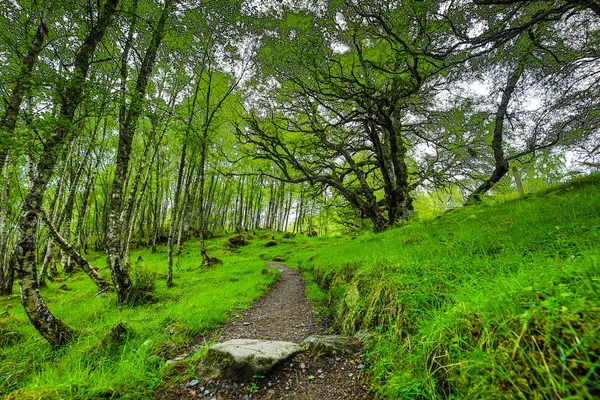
240,359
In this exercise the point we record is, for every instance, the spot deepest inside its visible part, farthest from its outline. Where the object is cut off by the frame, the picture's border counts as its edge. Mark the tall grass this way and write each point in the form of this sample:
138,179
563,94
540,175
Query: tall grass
499,300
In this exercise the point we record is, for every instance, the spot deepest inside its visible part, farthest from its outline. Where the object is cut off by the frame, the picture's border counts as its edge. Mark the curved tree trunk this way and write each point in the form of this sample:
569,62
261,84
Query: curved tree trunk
13,106
51,328
501,164
71,252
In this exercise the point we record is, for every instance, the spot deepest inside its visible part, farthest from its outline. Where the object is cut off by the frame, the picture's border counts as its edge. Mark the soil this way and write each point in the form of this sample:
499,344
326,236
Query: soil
283,314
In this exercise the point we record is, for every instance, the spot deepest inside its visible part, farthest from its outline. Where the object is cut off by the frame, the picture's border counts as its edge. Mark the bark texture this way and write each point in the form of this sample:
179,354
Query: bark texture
51,328
121,279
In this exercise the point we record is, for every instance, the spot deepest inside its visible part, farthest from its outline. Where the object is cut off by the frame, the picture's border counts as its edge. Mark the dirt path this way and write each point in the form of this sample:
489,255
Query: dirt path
284,314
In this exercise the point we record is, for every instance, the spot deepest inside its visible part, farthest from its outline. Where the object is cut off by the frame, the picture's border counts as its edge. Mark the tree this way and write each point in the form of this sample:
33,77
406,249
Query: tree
352,93
114,242
51,328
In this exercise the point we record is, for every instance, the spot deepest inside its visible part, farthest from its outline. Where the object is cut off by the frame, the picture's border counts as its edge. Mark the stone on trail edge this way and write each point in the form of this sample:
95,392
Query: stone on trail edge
241,359
330,345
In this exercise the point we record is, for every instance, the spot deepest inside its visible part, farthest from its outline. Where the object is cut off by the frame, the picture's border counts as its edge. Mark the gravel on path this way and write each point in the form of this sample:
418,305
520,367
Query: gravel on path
284,314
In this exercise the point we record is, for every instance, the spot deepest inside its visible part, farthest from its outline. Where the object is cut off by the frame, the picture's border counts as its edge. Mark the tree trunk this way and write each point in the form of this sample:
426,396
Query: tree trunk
5,270
140,196
22,86
203,216
120,276
48,262
51,328
174,213
70,250
501,164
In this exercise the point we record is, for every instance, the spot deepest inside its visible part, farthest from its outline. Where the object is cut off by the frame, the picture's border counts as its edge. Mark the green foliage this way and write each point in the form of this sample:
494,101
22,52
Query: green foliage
485,301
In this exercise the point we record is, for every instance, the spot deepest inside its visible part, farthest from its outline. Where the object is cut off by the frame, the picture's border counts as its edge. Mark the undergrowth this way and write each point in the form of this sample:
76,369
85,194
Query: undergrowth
499,300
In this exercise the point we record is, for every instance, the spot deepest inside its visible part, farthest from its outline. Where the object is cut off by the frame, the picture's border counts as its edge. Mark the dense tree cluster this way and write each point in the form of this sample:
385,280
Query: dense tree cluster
140,122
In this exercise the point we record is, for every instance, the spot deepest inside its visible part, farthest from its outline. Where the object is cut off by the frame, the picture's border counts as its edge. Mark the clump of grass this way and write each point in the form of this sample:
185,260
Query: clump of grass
144,286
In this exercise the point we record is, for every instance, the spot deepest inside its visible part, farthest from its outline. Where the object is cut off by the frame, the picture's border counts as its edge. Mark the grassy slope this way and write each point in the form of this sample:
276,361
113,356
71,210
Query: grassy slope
133,365
482,301
491,301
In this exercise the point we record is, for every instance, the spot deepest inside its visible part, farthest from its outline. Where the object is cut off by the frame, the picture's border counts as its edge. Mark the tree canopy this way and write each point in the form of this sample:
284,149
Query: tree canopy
135,122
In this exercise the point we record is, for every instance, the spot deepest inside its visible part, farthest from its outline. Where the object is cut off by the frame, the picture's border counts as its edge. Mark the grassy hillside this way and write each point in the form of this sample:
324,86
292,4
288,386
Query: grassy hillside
490,301
121,351
124,364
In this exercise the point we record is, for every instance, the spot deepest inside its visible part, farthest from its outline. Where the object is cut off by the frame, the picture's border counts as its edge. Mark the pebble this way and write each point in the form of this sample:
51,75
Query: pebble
206,392
192,383
302,365
360,366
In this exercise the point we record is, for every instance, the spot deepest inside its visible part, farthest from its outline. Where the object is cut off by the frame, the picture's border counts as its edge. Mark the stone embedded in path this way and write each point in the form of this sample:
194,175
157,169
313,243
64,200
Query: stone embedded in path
332,345
241,359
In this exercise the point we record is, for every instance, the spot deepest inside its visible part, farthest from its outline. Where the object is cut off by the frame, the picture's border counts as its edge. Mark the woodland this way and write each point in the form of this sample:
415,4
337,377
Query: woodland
160,126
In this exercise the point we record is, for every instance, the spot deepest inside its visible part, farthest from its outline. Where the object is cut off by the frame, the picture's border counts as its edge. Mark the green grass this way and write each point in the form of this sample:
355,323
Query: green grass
130,365
500,300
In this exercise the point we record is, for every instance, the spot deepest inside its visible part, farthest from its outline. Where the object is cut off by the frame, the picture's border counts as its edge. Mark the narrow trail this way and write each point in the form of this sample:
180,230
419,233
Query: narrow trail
284,314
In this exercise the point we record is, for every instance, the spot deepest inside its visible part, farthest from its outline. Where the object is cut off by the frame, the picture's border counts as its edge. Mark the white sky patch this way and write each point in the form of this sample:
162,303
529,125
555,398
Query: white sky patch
479,88
339,48
532,104
341,21
477,29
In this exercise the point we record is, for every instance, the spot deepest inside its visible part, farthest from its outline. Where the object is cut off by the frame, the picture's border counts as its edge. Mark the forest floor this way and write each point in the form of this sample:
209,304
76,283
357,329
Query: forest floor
283,314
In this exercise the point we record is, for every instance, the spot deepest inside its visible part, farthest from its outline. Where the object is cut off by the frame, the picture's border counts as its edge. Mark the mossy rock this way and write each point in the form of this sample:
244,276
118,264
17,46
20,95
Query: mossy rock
330,346
237,241
167,350
241,359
